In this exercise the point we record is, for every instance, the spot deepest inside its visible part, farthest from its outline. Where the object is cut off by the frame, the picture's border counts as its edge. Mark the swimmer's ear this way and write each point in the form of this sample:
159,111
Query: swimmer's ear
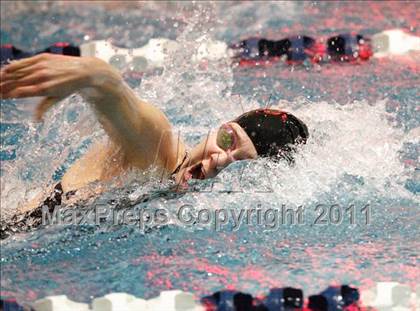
44,105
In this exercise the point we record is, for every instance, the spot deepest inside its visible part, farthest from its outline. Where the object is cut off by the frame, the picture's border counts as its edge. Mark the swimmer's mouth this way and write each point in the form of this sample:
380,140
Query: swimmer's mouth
197,172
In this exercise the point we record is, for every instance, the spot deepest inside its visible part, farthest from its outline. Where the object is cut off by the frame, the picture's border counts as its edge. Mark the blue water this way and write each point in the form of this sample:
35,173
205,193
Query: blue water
364,149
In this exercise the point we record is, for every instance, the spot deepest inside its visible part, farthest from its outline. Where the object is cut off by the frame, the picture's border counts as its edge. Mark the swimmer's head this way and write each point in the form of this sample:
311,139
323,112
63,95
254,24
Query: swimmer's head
273,132
257,133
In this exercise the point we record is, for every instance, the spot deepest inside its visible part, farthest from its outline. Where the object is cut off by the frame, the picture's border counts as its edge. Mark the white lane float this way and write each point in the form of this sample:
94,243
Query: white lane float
173,300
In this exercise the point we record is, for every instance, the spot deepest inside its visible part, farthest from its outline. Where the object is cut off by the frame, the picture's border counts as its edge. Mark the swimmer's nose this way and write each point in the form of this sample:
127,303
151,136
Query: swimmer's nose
216,162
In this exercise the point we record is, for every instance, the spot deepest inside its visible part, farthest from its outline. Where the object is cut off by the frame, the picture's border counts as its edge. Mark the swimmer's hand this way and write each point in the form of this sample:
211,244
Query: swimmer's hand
140,129
53,76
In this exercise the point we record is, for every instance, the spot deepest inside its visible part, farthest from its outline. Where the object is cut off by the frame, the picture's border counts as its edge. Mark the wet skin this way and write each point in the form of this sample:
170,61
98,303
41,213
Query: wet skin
207,158
140,135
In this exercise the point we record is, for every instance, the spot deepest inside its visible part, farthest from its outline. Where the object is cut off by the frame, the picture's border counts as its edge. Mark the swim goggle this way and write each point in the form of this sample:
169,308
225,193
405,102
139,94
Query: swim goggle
226,137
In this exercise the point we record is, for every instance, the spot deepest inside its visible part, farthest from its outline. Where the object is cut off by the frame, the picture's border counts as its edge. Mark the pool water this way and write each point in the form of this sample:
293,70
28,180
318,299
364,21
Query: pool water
363,152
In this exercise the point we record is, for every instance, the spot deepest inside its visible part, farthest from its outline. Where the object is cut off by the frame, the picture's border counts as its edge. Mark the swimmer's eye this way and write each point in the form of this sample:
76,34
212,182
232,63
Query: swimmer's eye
226,138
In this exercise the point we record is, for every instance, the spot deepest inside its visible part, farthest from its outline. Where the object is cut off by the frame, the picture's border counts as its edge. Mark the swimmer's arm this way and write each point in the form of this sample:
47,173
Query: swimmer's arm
142,130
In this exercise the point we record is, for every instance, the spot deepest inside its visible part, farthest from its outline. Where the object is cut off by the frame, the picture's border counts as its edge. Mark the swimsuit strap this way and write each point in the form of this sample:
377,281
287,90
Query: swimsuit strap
182,162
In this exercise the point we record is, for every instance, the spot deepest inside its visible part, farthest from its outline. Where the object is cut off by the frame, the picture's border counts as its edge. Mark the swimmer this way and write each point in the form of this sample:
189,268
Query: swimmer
140,135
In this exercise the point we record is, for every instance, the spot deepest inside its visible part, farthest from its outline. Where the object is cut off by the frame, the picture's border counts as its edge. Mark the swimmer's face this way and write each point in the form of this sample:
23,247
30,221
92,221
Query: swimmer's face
227,144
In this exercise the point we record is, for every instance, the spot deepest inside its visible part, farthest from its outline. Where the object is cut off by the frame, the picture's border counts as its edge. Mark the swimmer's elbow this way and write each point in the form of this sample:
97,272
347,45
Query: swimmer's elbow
103,80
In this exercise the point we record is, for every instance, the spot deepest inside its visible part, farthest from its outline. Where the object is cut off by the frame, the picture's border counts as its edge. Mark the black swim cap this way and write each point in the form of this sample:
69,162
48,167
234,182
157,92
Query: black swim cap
273,132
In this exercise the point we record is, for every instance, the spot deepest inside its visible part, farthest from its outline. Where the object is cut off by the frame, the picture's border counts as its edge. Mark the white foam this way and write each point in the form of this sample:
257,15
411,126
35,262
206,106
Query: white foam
355,140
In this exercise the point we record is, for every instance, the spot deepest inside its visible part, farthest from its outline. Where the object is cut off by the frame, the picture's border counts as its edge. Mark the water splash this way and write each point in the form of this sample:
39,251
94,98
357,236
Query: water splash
356,154
46,149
